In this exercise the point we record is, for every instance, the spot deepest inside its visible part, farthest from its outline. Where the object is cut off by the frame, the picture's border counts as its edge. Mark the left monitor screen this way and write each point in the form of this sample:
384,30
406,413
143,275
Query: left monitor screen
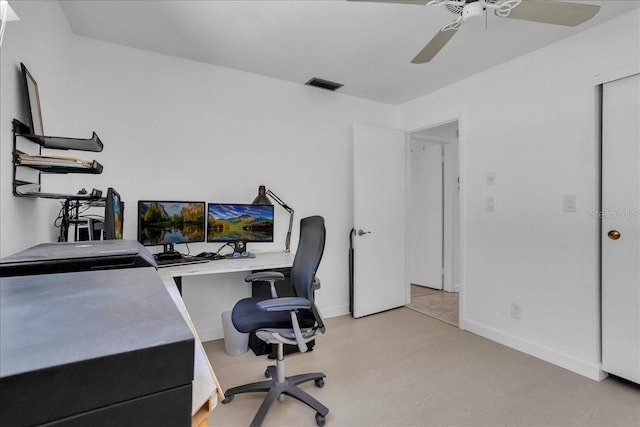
113,215
168,222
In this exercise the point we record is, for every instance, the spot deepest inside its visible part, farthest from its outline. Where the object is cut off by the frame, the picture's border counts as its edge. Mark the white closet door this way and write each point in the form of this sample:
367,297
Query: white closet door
621,228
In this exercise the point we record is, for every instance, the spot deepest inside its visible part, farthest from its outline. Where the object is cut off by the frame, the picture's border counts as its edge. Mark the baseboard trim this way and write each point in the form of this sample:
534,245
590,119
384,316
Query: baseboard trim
334,311
590,370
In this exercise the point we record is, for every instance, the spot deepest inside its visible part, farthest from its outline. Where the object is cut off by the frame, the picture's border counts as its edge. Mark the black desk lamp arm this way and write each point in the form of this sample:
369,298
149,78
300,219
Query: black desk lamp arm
287,245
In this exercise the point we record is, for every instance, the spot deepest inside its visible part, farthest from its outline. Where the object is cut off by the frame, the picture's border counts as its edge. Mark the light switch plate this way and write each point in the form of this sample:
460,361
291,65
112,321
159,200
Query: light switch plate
491,178
569,203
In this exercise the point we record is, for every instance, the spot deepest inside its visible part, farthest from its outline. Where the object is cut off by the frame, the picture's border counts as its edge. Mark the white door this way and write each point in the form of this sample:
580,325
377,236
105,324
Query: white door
379,186
425,242
621,228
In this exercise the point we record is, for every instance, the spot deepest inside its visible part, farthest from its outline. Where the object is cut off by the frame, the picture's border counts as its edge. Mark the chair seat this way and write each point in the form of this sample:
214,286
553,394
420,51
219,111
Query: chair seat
247,318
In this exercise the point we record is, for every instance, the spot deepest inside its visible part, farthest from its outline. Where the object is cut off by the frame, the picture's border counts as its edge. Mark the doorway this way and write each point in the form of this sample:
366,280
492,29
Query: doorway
434,221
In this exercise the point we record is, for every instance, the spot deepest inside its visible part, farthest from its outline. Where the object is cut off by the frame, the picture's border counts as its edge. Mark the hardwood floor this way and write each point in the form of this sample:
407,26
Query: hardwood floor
402,368
435,303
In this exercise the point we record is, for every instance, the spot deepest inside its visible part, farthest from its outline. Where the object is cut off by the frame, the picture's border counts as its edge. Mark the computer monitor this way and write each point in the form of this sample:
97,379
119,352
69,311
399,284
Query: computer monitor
239,224
113,216
169,222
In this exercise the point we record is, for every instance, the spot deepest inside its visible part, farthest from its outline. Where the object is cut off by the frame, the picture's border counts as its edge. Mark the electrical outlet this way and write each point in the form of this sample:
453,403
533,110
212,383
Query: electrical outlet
516,311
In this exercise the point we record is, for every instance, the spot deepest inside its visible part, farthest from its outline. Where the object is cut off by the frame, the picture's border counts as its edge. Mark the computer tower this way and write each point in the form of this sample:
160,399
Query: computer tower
90,229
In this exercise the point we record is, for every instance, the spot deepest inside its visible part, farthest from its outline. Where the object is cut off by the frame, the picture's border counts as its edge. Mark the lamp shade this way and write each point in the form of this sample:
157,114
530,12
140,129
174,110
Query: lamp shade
261,198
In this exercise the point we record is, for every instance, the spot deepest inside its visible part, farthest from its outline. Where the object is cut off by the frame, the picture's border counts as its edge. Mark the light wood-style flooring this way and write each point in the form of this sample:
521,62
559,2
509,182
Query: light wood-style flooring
435,303
402,368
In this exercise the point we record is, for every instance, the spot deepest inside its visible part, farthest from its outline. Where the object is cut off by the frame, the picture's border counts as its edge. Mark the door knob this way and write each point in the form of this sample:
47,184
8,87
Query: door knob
362,233
614,234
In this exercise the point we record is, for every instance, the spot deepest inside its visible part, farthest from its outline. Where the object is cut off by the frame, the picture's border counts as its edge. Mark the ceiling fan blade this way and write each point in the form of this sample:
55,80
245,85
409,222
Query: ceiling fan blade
418,2
554,12
434,46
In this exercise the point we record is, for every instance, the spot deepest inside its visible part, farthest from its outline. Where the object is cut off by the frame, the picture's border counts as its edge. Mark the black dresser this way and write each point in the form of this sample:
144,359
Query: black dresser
93,348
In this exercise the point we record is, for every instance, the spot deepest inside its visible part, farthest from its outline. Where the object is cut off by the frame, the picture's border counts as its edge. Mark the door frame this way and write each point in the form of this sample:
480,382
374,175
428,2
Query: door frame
461,198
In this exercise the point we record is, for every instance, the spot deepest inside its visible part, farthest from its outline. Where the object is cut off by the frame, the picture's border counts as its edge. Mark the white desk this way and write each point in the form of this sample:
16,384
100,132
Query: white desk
262,261
205,383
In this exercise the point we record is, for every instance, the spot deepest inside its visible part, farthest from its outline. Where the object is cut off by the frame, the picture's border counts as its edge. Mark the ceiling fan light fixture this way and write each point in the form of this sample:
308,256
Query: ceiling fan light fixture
472,10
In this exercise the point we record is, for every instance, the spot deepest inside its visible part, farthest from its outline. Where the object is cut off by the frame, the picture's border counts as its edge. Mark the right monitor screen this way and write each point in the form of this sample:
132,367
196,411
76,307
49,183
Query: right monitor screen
229,222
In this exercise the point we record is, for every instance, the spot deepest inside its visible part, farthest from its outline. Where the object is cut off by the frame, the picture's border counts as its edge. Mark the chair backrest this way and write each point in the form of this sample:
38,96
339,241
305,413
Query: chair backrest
308,255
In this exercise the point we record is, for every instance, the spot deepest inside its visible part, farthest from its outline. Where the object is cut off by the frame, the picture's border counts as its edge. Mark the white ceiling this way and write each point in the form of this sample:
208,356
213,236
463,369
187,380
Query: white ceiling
365,46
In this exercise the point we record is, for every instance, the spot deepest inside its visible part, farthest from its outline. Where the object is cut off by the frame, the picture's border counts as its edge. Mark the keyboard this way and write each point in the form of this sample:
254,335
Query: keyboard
182,260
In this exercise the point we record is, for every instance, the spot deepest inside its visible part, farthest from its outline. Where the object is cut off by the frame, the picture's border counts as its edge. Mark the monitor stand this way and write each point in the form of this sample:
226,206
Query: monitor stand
239,247
168,253
240,251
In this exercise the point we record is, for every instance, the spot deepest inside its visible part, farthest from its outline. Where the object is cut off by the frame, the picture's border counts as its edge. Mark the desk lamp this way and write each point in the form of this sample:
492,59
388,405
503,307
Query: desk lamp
262,199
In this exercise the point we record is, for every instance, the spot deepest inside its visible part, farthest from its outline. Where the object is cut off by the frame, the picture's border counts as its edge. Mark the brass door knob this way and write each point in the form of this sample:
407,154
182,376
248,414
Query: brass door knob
614,234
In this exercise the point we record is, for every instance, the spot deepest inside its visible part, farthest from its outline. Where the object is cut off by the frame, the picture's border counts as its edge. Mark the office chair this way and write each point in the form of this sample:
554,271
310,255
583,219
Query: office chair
288,320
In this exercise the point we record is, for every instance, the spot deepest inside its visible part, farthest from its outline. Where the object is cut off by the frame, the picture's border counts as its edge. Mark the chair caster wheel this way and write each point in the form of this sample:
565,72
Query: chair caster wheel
227,398
267,374
320,420
319,382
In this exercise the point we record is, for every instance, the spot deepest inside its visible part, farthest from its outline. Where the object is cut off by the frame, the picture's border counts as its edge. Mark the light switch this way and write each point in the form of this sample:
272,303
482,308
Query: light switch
491,204
491,178
569,203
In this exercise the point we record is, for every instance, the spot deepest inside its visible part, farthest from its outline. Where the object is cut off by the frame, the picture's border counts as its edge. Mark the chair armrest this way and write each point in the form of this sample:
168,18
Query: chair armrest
284,304
264,276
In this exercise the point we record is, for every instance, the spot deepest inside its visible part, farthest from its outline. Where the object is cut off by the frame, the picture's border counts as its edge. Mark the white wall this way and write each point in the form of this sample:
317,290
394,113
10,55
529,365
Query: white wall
533,122
178,129
42,40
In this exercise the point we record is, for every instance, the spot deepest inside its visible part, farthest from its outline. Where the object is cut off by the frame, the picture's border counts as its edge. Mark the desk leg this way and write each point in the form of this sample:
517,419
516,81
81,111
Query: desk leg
178,280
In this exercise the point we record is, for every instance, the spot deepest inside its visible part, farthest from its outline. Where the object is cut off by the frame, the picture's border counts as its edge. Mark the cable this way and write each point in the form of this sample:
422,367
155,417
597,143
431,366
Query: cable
222,247
56,221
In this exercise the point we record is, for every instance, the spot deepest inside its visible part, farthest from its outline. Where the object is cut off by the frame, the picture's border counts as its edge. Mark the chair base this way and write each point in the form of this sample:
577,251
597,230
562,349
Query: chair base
275,389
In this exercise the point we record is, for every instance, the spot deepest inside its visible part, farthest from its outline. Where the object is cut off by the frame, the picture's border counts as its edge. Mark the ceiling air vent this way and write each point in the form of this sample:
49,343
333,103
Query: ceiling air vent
324,84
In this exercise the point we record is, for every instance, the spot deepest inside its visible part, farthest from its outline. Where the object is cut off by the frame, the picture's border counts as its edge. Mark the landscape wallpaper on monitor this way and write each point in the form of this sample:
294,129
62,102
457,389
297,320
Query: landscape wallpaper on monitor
241,223
171,222
117,217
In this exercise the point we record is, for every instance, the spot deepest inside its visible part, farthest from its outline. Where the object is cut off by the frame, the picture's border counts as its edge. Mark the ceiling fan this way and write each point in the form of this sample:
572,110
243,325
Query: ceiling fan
545,11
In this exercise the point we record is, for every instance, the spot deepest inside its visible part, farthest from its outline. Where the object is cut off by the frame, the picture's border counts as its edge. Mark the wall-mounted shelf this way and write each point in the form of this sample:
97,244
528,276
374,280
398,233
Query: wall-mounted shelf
28,168
29,192
62,165
57,142
30,187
